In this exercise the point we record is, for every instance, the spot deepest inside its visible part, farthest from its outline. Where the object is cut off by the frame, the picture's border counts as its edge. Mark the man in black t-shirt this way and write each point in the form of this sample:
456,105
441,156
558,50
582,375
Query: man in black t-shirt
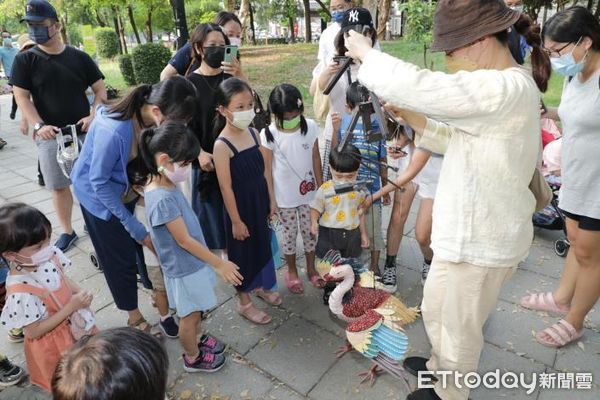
49,83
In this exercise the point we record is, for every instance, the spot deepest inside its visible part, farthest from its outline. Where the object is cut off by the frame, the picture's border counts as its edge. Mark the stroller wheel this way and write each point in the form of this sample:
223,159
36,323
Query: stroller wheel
561,247
95,262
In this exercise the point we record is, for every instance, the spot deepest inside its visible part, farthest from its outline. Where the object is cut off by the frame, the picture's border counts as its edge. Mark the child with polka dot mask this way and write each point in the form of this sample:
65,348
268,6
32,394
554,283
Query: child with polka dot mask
49,307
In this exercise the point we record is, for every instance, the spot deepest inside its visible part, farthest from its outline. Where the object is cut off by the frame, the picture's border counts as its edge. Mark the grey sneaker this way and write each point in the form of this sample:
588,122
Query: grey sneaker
206,362
389,278
424,272
211,344
10,374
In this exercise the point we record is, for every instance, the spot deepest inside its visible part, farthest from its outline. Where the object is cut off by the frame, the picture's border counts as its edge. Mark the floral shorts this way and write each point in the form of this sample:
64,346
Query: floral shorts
291,218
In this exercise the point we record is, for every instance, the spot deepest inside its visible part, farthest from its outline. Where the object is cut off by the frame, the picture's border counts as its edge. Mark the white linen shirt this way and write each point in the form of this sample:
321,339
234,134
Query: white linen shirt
487,125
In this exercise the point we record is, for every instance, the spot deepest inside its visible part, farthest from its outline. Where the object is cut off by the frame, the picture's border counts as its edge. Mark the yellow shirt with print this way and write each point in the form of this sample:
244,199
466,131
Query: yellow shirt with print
338,211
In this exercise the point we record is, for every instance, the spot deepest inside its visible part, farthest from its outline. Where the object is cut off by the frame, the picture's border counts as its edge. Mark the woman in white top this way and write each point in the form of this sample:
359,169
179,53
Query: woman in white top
485,119
572,39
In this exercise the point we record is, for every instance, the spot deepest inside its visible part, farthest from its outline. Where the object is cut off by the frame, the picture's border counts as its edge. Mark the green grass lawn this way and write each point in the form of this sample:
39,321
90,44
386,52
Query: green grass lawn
112,74
267,66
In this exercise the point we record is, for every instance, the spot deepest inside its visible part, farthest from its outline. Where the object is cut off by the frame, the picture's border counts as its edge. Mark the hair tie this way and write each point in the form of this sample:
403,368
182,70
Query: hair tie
299,103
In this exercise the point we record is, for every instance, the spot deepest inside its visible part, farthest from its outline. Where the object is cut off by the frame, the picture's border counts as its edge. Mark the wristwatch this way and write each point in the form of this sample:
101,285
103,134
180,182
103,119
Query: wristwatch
38,126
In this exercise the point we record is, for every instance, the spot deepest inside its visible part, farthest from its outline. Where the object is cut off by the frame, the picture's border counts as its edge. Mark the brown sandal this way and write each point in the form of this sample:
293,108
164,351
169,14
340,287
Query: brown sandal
144,326
253,314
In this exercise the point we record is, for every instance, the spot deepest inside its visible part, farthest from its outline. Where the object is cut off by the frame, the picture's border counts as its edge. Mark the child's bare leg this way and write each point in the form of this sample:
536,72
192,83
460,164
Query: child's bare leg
162,302
375,260
188,334
290,260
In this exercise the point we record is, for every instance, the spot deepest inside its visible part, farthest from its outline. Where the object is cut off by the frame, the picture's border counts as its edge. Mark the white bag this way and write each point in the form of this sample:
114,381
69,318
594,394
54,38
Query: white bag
66,154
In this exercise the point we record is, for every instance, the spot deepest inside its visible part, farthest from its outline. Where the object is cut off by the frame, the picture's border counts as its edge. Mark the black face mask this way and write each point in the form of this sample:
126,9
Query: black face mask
214,56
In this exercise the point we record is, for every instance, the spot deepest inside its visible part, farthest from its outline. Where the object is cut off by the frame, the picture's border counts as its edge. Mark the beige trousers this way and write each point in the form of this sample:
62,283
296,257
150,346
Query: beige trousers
457,300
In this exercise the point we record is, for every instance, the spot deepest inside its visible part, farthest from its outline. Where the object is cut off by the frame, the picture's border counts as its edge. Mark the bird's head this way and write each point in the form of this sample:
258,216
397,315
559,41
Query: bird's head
339,272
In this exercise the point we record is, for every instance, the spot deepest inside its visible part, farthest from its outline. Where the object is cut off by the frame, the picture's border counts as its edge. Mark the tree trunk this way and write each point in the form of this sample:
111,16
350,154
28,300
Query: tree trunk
120,29
244,15
371,5
100,19
545,15
149,25
590,5
230,5
63,29
116,24
384,16
291,28
307,27
133,24
252,25
597,13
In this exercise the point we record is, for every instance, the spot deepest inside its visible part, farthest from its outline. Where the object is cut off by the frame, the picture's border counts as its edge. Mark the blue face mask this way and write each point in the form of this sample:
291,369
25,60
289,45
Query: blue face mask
566,64
6,42
337,16
39,33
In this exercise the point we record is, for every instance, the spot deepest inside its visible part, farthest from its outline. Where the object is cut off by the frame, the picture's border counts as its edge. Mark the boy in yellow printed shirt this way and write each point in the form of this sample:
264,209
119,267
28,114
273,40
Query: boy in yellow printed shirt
335,218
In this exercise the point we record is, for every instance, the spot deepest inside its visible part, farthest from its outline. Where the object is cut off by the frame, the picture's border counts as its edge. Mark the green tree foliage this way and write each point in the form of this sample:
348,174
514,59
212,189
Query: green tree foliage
201,12
126,68
148,61
107,42
419,20
74,35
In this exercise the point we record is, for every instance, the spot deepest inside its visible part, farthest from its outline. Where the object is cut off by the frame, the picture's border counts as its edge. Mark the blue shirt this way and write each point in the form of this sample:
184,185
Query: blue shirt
372,152
100,174
182,58
163,206
7,55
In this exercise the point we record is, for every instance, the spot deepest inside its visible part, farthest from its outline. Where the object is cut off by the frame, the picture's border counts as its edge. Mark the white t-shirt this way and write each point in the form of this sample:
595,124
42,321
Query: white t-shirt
326,47
293,175
579,113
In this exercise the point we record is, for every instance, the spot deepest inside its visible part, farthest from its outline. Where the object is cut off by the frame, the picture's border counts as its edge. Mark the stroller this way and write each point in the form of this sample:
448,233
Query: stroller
552,218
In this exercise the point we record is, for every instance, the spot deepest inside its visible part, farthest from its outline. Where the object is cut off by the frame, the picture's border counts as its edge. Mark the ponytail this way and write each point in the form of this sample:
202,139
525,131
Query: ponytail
143,166
150,167
540,61
176,98
130,105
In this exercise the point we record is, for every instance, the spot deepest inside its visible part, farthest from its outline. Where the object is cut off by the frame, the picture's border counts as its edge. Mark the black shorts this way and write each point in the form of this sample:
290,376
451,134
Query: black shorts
585,223
347,242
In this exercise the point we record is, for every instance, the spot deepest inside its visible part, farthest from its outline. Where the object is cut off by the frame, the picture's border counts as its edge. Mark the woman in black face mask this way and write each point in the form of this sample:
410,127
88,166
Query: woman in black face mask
208,45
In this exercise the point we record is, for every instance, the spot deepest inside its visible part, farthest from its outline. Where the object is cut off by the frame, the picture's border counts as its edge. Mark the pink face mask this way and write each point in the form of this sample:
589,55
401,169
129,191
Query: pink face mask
180,174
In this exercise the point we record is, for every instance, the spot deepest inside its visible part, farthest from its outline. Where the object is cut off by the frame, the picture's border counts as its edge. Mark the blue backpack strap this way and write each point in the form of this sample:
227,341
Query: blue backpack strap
228,143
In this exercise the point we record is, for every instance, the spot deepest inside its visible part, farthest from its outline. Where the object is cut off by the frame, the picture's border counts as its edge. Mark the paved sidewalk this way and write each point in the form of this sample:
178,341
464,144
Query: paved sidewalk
293,357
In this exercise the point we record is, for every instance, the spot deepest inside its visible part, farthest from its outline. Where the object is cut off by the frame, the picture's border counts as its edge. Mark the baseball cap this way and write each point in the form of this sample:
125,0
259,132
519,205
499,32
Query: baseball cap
356,17
39,10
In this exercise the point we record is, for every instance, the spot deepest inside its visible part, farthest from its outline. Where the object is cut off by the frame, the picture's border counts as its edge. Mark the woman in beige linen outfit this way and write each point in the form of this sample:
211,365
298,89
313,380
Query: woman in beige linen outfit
484,117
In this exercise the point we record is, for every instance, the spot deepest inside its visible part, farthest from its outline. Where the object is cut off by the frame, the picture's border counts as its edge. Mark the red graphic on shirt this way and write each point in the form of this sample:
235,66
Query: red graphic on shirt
308,184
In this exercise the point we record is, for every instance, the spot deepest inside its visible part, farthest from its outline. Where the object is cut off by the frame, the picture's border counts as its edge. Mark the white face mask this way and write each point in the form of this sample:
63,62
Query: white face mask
39,257
235,41
243,119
